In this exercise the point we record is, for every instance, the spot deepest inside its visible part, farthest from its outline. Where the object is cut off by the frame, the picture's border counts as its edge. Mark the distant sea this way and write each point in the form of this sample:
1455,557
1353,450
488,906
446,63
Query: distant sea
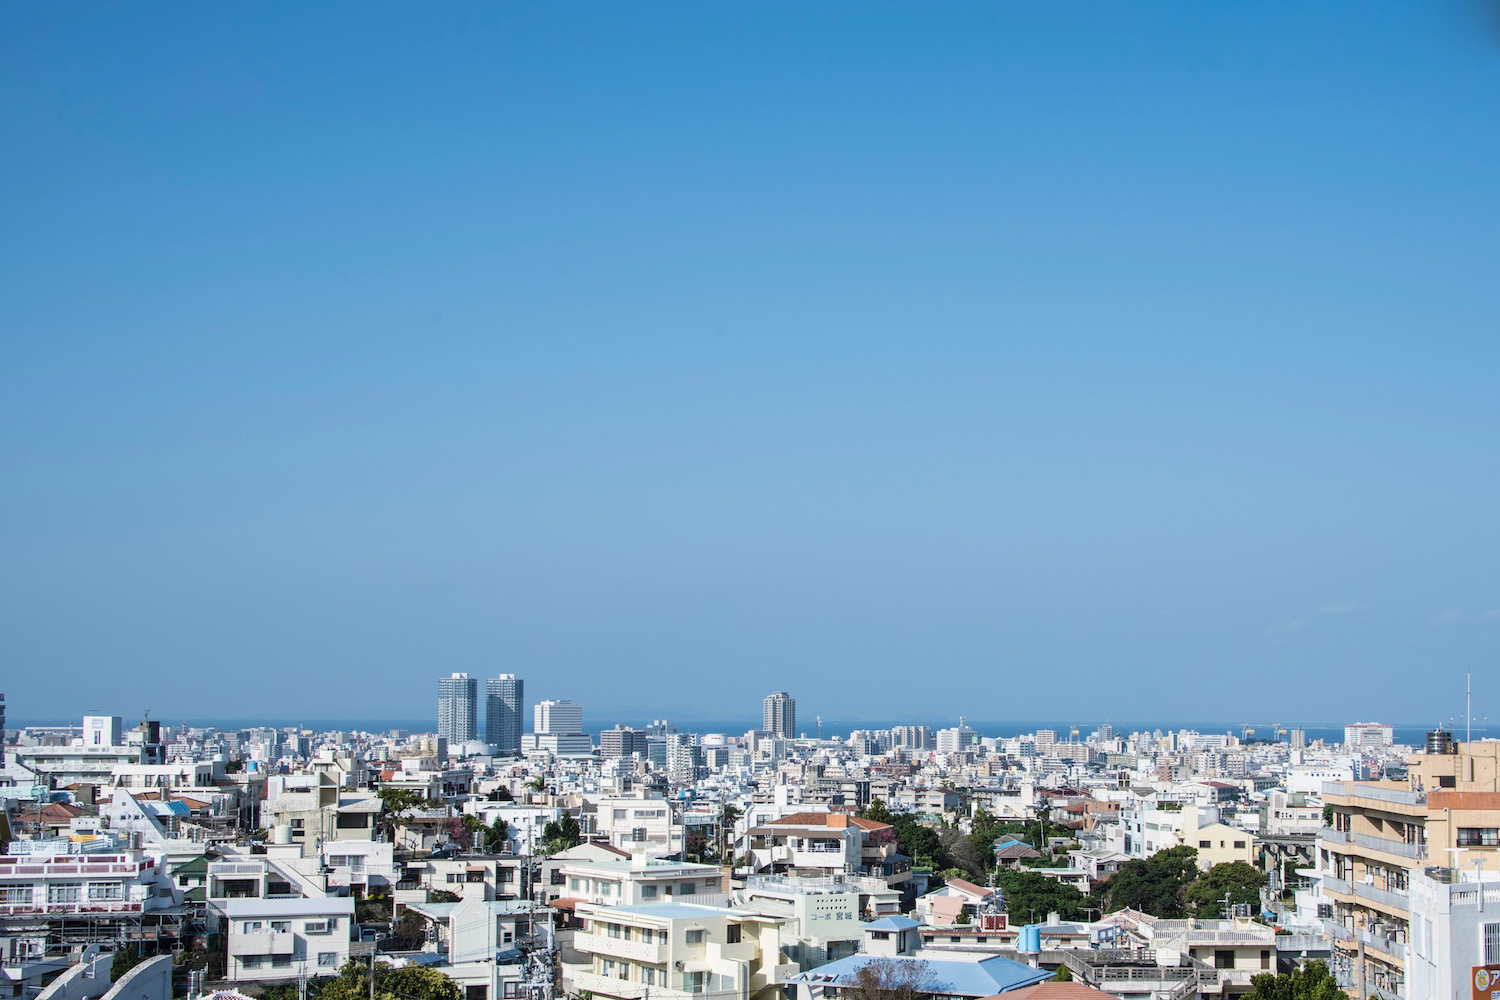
1409,735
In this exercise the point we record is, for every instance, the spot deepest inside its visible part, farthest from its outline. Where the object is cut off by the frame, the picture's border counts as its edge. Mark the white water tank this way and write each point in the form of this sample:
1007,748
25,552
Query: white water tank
281,834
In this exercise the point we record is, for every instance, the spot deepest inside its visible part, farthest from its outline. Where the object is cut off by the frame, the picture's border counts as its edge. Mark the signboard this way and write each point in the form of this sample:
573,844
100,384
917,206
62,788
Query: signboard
1486,982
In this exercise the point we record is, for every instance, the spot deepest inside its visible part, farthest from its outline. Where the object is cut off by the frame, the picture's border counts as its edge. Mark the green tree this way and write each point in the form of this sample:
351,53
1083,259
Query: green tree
1027,893
1242,881
561,834
411,982
125,959
877,811
1156,885
1311,982
1064,974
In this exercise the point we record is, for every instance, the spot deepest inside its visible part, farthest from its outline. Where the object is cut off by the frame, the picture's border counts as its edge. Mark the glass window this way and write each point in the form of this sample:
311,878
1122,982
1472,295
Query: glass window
1224,959
281,961
252,926
64,892
648,892
327,959
15,894
250,961
281,927
1491,944
694,937
106,890
1478,836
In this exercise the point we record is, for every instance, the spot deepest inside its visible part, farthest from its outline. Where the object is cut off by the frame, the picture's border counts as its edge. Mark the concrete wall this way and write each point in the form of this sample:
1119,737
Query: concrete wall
151,980
86,980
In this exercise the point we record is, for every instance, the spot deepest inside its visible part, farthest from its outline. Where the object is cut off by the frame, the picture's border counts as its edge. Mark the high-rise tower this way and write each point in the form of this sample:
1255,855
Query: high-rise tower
779,715
504,708
458,704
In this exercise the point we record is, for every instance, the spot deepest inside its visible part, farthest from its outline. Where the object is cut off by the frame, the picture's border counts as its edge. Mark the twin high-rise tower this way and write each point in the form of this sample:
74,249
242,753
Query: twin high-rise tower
504,710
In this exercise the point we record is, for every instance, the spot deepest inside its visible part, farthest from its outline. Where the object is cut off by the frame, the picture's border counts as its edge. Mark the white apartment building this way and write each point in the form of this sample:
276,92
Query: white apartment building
677,951
643,880
638,822
822,918
282,938
1453,934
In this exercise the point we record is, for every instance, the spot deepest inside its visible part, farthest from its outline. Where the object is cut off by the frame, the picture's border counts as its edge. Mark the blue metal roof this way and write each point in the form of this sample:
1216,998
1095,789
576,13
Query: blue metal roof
892,924
950,978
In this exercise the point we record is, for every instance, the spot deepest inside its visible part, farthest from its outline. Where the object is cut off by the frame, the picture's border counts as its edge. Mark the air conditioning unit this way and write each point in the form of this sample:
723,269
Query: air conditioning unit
678,965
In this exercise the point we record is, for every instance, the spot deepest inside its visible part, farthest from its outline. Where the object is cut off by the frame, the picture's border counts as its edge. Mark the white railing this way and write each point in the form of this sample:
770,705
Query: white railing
1390,846
1399,900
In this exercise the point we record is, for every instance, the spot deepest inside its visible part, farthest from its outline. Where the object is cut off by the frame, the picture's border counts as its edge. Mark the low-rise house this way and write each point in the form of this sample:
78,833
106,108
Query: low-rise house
284,938
951,976
643,880
1009,852
942,906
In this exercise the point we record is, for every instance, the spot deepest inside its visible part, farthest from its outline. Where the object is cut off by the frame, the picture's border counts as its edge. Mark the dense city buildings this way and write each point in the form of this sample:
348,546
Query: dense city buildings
910,841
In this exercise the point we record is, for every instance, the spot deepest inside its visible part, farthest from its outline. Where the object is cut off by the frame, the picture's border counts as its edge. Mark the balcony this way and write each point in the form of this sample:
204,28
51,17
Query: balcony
1386,897
1369,790
1333,836
608,986
1333,884
1386,844
1384,945
635,951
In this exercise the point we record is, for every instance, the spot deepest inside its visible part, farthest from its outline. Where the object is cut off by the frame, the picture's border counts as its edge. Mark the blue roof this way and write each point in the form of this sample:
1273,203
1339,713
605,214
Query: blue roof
893,924
951,978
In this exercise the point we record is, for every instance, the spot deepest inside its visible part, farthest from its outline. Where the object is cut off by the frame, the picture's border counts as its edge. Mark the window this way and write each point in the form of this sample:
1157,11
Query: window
692,982
353,821
1478,836
64,892
1265,958
732,934
250,961
1205,843
281,927
106,891
648,976
573,884
328,958
687,888
506,875
1491,944
619,814
318,927
614,930
694,937
15,894
252,926
454,877
1447,781
281,961
1239,844
881,935
648,892
1224,959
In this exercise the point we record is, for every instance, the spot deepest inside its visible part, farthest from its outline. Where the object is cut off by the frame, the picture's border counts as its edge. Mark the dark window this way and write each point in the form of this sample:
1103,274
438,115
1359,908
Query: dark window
1205,843
1224,959
1478,836
353,821
883,935
1447,781
1265,958
732,934
478,992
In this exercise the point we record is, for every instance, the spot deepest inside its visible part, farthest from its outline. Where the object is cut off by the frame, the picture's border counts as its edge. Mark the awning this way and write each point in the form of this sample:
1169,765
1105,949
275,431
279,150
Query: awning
476,869
565,903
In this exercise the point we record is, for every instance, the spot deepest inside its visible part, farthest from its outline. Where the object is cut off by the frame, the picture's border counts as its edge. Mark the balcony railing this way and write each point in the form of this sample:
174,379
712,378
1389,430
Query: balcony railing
1333,836
1398,900
1335,884
1405,850
1366,790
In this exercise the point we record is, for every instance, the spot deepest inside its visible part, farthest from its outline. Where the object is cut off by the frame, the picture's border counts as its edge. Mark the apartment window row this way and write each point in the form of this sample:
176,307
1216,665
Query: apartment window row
645,974
625,932
325,926
1478,836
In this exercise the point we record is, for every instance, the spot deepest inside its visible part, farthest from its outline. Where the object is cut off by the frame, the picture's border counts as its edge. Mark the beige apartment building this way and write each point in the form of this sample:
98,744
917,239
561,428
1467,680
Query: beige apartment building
1446,813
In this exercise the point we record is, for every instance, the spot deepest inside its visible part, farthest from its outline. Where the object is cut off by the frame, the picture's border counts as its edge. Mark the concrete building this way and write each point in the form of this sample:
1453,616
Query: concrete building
779,715
282,938
822,917
642,880
504,713
1368,734
458,708
1455,934
677,951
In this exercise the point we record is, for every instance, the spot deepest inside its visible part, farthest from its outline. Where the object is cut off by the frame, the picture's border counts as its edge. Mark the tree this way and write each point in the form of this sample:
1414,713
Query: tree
1311,982
411,982
1064,974
877,811
562,834
398,802
125,959
1028,892
498,835
1156,885
500,794
458,831
962,853
695,844
1240,880
892,979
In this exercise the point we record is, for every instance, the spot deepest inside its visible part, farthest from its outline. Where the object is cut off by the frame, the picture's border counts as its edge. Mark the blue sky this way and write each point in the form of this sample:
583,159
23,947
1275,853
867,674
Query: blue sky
1122,360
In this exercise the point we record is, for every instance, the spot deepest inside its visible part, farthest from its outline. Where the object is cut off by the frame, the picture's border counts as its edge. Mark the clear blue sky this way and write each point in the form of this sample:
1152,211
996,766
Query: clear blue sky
1019,361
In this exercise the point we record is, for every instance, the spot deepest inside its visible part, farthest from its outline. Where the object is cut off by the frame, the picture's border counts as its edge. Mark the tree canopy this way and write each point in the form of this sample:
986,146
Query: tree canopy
1311,982
1028,892
411,982
1156,885
1240,880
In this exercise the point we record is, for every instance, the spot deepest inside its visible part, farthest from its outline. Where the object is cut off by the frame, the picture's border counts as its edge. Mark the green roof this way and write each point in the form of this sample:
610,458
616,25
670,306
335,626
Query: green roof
197,866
